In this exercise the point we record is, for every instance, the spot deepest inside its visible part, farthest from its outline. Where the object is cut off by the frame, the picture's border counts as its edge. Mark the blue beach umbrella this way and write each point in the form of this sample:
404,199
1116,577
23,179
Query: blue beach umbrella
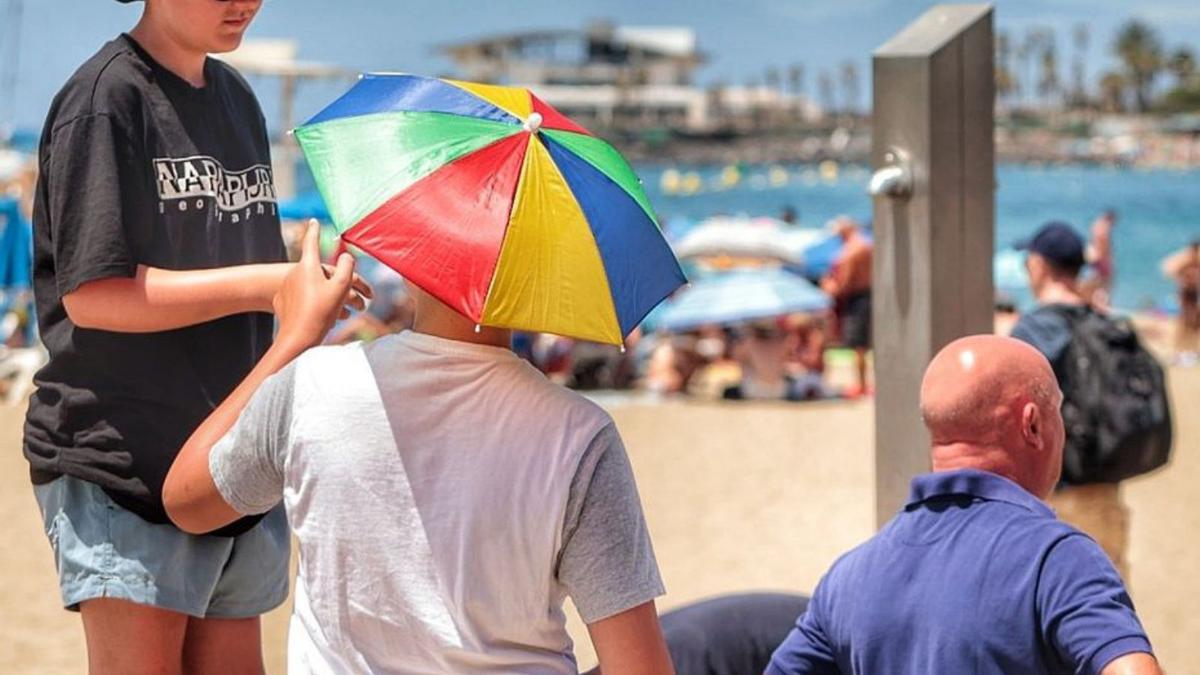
742,295
817,259
1008,271
303,207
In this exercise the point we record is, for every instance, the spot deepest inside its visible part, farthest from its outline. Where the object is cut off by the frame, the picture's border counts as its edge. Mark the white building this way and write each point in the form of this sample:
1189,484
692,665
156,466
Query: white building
617,76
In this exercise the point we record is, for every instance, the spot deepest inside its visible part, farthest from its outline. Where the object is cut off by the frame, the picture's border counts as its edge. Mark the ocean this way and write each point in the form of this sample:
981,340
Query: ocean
1158,210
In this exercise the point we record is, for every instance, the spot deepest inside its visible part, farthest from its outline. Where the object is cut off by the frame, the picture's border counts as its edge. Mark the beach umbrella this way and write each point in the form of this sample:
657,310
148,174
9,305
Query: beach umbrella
745,239
1008,271
303,207
493,202
817,258
742,295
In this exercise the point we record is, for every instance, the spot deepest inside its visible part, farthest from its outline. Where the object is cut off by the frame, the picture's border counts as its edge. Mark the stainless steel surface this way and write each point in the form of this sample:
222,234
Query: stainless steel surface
894,178
933,98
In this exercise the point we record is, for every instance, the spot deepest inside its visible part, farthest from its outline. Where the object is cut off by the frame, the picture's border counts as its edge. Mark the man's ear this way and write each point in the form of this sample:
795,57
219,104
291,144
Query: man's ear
1031,425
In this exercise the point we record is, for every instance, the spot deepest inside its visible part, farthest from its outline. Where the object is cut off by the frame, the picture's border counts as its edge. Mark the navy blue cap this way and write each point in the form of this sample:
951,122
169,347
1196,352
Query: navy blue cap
1058,243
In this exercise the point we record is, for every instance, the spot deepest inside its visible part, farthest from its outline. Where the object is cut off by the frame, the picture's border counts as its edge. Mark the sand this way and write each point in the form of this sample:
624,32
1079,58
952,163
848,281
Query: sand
738,497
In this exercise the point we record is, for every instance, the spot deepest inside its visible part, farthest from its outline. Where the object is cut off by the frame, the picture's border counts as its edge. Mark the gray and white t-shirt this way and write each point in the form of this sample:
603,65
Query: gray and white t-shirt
446,498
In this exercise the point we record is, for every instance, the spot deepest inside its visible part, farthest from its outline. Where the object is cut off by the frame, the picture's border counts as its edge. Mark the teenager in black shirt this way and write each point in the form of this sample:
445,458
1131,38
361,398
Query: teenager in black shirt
157,256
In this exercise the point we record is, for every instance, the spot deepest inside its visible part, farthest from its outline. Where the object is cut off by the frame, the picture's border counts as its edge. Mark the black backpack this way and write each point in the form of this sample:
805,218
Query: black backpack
1115,407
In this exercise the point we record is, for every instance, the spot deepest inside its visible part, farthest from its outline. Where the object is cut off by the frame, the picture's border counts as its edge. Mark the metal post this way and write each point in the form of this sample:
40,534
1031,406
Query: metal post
933,219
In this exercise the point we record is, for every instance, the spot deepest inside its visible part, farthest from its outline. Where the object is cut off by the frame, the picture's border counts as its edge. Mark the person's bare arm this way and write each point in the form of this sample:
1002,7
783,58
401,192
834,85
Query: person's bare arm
1138,663
306,305
157,299
631,643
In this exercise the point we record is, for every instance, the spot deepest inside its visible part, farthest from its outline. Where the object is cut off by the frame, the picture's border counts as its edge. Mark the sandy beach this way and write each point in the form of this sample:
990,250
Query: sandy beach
738,497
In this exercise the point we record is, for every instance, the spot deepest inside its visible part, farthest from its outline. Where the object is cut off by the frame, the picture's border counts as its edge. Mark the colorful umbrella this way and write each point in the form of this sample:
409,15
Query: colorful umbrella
742,295
493,202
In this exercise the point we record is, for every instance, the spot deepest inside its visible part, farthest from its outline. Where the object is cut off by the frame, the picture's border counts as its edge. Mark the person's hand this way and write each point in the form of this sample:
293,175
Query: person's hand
274,274
358,295
309,300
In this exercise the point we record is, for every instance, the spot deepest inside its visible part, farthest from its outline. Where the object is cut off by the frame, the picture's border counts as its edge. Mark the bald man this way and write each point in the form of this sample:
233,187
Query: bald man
975,574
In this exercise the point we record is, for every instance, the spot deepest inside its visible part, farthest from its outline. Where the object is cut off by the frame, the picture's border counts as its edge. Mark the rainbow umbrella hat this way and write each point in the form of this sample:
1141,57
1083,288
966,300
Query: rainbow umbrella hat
493,202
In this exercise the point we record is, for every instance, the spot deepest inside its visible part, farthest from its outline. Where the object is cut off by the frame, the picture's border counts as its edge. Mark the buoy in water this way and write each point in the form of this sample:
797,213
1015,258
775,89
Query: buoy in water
669,181
829,171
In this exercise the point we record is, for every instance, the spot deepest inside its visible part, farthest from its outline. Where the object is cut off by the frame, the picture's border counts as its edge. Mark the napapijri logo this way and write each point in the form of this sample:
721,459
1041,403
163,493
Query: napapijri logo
188,180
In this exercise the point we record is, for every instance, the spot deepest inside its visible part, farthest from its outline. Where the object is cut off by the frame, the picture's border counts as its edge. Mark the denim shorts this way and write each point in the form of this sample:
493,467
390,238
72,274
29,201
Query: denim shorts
102,550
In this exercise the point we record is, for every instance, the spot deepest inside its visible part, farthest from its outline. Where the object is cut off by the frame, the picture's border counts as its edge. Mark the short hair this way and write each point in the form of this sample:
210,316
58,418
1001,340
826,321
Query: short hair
1060,269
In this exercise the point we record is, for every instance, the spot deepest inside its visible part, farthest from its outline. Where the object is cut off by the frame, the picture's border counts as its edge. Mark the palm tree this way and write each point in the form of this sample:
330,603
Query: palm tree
1182,65
1139,47
1006,80
1024,51
825,92
772,78
1112,92
1079,89
849,77
1048,82
795,78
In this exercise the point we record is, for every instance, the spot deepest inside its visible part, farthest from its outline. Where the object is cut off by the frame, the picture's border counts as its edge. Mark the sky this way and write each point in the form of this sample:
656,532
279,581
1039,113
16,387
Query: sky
740,37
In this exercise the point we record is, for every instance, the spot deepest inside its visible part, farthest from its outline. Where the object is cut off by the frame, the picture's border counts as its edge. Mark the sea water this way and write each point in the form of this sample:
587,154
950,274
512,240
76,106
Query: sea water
1158,211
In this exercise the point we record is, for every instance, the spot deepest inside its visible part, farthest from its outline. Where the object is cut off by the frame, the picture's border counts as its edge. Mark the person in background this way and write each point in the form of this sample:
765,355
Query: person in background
1079,341
975,574
849,284
672,364
1098,288
445,495
728,634
1184,269
760,349
807,340
157,253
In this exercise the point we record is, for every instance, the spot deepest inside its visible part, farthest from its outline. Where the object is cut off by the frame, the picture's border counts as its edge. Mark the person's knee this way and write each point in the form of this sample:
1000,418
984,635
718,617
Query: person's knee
223,646
124,637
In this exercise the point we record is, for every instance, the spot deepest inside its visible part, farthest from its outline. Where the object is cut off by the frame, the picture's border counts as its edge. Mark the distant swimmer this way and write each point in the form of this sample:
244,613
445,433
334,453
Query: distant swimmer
1098,288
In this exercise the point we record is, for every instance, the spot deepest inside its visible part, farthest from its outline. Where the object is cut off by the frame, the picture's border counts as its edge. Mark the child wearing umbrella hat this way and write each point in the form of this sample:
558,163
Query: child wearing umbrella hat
157,254
446,496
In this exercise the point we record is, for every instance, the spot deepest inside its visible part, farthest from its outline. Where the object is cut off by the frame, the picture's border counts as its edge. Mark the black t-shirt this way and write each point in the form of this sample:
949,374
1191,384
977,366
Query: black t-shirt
138,167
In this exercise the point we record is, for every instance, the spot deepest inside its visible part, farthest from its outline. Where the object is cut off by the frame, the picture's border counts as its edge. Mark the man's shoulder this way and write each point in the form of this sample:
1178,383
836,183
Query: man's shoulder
109,83
319,366
1048,328
563,400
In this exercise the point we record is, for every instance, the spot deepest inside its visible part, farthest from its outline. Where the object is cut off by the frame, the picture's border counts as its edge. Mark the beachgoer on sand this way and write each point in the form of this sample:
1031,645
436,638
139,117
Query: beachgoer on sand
157,253
1116,407
975,574
849,284
1184,269
446,496
1097,288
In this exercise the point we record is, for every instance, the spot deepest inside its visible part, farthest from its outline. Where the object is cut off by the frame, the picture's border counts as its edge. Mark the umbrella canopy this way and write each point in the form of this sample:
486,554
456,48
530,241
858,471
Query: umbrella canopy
742,295
816,258
16,248
752,239
493,202
1008,271
303,207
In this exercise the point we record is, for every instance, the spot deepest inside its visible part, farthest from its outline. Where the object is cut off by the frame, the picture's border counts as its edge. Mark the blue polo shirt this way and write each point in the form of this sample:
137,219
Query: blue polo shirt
974,575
